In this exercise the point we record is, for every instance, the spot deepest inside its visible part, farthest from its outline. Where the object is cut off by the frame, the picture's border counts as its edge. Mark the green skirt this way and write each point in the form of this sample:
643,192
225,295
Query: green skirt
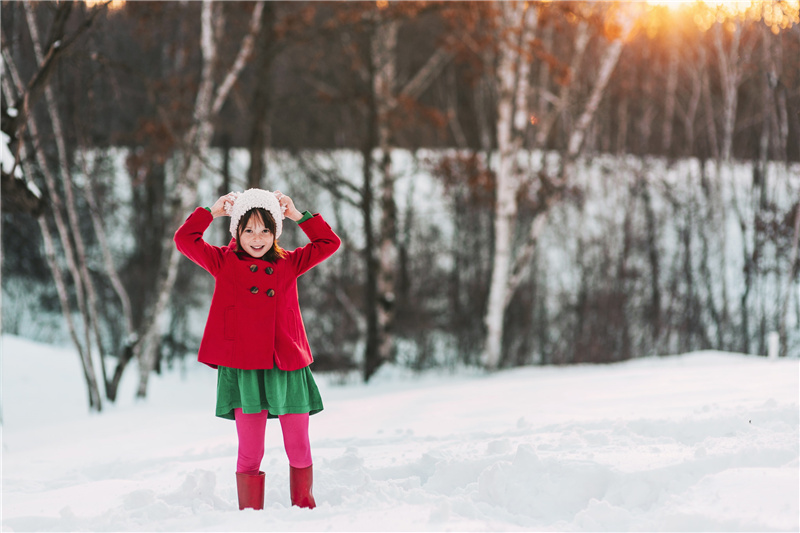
275,390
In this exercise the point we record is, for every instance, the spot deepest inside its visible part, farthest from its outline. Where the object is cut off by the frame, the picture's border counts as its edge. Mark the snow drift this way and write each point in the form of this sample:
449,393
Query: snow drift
704,441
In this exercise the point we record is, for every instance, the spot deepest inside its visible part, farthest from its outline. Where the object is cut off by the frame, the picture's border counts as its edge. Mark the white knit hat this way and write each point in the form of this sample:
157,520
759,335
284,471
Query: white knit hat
252,198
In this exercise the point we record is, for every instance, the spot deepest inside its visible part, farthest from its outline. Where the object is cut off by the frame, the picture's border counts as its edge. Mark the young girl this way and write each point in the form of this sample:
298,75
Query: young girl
255,336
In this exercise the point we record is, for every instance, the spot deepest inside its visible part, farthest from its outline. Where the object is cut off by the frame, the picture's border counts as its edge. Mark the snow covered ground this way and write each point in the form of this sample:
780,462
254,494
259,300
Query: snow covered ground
705,441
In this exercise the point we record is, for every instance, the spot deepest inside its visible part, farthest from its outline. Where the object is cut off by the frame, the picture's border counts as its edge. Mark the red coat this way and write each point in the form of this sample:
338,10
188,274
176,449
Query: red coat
254,320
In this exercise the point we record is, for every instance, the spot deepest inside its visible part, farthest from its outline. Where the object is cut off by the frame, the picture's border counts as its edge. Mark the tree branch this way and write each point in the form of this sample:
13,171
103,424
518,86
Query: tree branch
241,59
331,180
57,46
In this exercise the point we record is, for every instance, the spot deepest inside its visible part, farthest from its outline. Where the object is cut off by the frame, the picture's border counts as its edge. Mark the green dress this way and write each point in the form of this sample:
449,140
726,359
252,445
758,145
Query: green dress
278,391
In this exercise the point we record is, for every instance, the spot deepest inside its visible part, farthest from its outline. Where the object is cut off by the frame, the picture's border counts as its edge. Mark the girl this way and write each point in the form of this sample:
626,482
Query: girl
255,336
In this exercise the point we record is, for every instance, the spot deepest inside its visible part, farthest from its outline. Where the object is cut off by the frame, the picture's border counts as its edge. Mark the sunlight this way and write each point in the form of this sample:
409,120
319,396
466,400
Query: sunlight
112,4
776,14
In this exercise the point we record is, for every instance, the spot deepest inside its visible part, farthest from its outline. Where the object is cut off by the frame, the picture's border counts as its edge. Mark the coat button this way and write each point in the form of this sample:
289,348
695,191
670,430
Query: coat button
269,270
271,293
253,268
254,290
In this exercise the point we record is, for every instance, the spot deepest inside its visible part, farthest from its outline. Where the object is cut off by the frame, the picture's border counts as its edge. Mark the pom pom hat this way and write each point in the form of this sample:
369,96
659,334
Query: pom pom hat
252,198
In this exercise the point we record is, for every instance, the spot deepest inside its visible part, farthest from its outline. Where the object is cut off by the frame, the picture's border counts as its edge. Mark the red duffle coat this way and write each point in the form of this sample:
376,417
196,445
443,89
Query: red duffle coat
254,320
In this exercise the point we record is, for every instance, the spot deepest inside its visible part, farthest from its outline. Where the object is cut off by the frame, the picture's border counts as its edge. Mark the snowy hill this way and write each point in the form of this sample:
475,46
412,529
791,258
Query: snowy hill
705,441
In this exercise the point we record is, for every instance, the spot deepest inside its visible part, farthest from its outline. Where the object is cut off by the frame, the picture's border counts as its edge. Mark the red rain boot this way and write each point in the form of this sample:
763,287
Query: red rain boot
300,483
251,490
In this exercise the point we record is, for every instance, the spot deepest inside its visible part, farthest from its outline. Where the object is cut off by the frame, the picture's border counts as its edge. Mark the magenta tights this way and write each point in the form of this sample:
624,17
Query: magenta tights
251,429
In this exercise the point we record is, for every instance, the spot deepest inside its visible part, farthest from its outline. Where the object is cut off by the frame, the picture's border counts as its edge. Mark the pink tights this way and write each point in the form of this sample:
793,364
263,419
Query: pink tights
251,429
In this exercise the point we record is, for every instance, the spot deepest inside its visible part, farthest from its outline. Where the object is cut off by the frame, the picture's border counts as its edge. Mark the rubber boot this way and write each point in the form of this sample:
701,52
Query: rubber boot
300,483
250,488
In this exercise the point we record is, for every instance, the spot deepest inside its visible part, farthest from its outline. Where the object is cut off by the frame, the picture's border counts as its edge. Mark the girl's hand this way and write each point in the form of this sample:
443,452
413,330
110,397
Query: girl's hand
290,211
219,207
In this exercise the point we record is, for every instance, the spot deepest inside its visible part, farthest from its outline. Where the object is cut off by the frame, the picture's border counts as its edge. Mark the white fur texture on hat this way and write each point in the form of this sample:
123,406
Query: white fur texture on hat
250,199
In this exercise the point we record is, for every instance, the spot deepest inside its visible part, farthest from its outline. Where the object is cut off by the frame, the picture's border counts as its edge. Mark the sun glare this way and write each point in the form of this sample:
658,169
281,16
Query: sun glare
776,14
112,4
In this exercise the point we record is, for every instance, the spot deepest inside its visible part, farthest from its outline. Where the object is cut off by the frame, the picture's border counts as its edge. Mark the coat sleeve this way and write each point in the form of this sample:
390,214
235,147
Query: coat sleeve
324,242
189,240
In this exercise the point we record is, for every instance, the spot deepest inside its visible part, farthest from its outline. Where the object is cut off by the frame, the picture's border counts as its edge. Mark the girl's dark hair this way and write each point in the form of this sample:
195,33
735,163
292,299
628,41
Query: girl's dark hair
274,253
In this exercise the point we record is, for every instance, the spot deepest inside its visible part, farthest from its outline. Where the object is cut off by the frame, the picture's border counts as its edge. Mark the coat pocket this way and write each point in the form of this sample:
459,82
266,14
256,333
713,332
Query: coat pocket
230,323
294,327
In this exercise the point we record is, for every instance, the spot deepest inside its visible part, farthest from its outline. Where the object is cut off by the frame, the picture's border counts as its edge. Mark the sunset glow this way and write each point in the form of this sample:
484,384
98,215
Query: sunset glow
777,15
113,4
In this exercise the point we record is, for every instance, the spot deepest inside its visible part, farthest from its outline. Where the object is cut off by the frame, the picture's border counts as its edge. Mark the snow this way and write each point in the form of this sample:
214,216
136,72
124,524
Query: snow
703,441
6,156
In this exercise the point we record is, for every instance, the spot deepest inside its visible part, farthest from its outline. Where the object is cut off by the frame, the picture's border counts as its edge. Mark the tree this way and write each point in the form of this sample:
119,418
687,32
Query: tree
211,94
517,21
264,52
513,70
63,198
382,100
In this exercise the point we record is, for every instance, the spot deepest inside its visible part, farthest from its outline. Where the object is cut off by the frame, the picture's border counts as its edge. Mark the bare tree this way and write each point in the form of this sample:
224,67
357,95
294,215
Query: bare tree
264,51
732,55
62,198
383,54
507,271
211,95
376,67
786,293
513,72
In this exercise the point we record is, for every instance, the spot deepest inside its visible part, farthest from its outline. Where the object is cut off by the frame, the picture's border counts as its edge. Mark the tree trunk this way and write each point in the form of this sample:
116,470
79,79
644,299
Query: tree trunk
622,128
505,275
372,359
711,126
575,143
131,341
547,119
58,42
512,74
93,390
196,142
384,58
262,98
669,102
731,59
730,75
83,346
786,294
607,64
653,258
688,116
88,306
381,290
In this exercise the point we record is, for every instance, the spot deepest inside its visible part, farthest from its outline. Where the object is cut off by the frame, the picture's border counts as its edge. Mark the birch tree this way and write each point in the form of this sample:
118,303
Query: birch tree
514,59
732,54
383,55
213,90
87,337
512,73
87,296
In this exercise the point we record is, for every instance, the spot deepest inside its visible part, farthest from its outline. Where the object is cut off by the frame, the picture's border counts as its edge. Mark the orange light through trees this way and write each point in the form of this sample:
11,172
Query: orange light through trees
112,4
776,14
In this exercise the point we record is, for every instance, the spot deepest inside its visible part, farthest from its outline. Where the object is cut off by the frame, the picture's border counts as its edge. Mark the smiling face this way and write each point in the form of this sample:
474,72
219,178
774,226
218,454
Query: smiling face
256,234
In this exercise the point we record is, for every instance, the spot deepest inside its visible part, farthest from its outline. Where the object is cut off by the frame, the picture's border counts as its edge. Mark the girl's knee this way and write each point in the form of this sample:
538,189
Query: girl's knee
295,439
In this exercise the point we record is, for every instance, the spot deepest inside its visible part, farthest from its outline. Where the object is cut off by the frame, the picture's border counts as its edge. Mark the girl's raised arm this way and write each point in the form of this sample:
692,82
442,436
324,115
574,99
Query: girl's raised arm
189,237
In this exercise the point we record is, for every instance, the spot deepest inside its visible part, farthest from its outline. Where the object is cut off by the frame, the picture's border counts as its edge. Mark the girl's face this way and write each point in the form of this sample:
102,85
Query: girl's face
255,238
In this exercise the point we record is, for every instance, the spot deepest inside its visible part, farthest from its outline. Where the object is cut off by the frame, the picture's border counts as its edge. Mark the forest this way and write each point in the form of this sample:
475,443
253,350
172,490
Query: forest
515,183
